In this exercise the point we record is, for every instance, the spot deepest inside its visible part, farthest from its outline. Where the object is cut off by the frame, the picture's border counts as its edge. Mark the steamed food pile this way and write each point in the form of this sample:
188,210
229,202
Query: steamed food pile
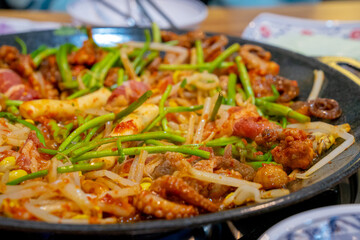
173,127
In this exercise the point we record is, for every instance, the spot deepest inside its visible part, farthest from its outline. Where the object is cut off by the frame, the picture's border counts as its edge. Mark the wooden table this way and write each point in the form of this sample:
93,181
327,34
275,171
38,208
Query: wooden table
232,20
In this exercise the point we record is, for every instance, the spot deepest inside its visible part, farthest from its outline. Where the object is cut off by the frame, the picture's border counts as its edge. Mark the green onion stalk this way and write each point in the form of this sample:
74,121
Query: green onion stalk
13,118
86,126
257,165
199,52
127,138
245,80
275,109
275,96
22,44
41,48
231,90
221,58
162,105
137,150
143,50
174,67
133,106
16,103
216,107
120,79
171,110
83,167
146,61
156,32
41,55
62,62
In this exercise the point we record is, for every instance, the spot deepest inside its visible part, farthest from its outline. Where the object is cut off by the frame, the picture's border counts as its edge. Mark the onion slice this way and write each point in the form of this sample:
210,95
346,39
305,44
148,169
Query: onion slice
318,82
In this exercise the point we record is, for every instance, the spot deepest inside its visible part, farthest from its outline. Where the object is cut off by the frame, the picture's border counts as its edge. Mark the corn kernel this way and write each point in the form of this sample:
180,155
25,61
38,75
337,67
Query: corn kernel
145,185
30,121
146,179
81,216
8,161
176,76
172,103
229,195
15,174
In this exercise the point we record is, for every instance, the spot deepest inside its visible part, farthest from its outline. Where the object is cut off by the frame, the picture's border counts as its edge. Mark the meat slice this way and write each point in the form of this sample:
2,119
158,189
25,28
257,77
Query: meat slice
14,88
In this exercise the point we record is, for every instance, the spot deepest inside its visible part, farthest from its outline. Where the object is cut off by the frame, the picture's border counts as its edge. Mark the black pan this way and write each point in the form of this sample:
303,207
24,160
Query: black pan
292,65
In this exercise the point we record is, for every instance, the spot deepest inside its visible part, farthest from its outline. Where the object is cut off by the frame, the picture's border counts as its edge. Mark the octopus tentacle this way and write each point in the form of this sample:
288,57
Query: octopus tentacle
325,108
177,186
151,204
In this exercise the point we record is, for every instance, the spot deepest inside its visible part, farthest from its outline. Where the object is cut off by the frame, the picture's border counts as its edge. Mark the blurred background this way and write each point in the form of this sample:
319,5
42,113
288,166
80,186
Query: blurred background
310,27
60,5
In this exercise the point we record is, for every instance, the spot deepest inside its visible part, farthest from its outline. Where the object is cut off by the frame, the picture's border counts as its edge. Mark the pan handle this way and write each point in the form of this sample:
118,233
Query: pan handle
347,66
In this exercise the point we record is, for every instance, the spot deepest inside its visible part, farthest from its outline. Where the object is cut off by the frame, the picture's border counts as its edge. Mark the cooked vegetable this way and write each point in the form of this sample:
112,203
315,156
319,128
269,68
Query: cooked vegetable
154,129
63,109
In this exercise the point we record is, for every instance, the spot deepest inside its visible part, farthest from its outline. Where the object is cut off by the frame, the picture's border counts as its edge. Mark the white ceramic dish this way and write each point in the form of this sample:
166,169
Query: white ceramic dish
18,25
309,37
185,14
340,222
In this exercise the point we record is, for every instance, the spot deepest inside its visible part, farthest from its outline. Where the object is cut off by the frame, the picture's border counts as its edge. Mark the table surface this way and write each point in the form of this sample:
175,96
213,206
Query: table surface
232,20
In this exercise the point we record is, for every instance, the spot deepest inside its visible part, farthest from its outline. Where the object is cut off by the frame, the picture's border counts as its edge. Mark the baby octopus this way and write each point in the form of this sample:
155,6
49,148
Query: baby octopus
154,202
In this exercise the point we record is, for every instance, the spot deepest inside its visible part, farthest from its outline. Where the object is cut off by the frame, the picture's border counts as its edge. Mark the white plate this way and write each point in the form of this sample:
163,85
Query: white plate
309,37
340,222
184,13
18,25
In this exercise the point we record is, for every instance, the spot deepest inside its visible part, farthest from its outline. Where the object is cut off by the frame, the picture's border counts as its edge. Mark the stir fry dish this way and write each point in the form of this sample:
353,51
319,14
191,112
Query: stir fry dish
171,127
